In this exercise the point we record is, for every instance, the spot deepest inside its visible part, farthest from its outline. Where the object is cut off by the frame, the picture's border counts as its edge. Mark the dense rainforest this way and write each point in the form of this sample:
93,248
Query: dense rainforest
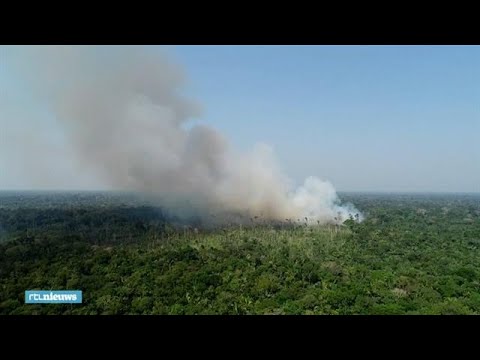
413,254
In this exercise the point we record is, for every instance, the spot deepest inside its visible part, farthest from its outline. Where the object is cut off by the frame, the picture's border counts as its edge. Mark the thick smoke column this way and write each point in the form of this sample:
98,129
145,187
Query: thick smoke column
125,118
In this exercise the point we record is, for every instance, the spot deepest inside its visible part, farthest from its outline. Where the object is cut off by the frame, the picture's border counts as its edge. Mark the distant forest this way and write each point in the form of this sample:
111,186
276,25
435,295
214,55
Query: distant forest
413,254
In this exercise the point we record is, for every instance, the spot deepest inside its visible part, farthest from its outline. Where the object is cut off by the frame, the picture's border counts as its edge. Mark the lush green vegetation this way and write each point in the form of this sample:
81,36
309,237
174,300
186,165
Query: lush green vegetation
414,254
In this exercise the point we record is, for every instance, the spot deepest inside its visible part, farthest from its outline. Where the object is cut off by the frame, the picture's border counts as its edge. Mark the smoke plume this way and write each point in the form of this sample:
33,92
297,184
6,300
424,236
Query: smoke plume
126,120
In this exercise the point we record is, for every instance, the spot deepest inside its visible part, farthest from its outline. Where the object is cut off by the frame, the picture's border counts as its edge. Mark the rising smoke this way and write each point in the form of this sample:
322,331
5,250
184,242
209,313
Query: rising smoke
124,116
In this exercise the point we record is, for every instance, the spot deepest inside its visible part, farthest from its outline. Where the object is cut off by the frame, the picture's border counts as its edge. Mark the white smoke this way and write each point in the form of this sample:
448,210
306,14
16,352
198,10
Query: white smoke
124,116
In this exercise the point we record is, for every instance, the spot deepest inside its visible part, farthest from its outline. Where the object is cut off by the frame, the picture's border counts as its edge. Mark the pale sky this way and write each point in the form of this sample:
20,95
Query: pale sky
366,118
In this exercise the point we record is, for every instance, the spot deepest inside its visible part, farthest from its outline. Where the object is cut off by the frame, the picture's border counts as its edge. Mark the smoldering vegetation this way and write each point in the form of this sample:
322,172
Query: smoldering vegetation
125,120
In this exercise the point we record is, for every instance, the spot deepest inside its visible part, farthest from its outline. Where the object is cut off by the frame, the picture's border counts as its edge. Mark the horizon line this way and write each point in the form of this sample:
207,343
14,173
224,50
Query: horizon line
338,191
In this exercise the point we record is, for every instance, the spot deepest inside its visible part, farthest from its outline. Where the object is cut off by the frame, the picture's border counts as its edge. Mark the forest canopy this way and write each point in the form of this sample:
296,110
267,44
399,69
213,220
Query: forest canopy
413,254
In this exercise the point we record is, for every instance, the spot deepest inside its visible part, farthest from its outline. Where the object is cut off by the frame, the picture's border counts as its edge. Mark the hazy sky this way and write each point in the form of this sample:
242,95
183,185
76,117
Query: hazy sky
367,118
